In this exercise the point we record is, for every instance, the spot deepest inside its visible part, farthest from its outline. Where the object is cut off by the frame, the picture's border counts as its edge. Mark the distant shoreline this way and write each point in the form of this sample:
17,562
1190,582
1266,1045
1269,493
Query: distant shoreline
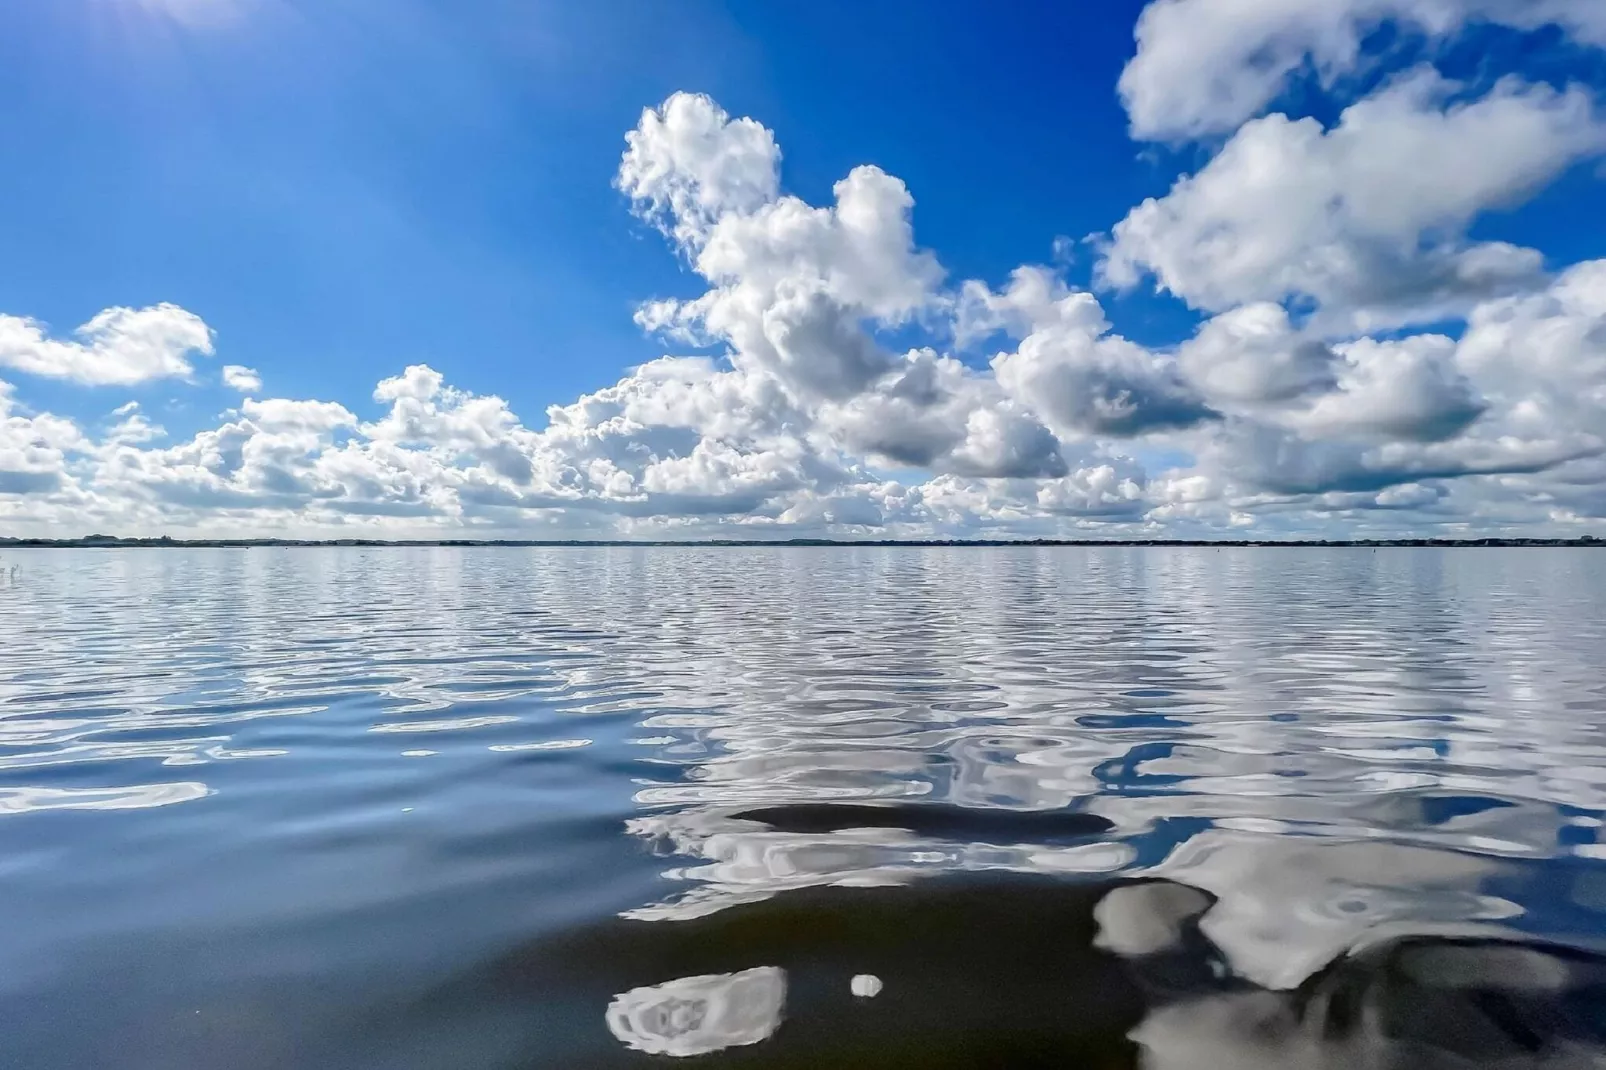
94,542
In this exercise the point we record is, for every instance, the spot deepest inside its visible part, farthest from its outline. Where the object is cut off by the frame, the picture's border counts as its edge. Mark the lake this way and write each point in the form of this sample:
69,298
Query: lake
568,807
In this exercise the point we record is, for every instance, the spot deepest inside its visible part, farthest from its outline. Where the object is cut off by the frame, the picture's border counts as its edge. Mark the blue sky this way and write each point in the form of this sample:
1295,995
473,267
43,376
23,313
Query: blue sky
347,188
333,192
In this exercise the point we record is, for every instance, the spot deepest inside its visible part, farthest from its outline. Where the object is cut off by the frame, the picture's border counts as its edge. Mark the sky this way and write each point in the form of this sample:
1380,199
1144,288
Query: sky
503,269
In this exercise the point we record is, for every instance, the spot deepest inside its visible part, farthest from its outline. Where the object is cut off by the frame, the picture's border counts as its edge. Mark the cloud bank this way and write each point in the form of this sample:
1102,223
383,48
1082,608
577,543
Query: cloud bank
1362,366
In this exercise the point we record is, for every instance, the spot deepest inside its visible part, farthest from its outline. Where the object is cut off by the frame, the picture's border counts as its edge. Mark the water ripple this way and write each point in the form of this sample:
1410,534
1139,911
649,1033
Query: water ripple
1334,744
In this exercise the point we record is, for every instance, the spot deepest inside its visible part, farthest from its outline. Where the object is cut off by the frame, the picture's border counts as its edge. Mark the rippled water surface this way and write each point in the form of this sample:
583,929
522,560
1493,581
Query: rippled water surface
573,807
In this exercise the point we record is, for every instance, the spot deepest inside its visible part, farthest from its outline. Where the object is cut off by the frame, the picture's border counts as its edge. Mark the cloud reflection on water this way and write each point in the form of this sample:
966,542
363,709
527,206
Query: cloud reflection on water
1430,720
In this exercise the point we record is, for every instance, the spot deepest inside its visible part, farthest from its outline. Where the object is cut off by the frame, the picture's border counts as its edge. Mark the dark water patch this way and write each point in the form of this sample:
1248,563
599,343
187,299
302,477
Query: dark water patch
1130,720
1001,971
938,820
1438,809
997,972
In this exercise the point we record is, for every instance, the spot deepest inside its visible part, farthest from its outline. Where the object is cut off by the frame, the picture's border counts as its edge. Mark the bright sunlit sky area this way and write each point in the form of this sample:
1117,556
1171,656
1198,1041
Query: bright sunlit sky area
500,268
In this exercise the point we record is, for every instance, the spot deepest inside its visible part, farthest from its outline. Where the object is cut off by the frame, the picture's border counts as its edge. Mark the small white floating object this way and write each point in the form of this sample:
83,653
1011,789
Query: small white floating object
865,985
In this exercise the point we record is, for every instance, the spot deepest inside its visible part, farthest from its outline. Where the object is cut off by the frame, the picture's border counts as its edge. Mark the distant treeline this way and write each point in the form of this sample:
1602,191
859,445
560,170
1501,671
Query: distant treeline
112,541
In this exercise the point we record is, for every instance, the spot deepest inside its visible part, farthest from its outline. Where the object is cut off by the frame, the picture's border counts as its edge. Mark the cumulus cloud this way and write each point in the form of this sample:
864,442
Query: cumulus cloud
1253,356
934,413
119,347
238,377
133,426
33,449
1542,356
688,164
1367,219
1078,376
795,289
1204,66
849,386
1408,390
282,414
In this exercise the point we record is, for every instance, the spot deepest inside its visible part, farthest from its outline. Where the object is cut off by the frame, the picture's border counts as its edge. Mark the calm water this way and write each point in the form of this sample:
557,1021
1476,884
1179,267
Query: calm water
565,808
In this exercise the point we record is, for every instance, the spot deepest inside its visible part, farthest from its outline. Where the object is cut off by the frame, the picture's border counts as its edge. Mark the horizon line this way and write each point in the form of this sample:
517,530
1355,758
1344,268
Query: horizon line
168,541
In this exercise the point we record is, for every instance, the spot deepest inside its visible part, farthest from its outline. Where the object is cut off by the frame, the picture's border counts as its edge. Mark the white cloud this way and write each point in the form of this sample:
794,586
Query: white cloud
1254,363
1407,390
1253,356
794,288
1204,66
931,412
1076,375
238,377
282,414
33,450
688,163
1542,356
1039,419
1499,429
1366,218
135,427
120,346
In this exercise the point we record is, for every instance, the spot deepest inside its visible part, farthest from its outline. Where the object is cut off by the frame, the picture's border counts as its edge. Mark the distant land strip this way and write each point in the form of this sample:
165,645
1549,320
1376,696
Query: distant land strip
116,542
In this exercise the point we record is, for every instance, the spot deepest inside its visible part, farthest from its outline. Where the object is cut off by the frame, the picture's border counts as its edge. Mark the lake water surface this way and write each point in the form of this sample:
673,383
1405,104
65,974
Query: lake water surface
562,808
